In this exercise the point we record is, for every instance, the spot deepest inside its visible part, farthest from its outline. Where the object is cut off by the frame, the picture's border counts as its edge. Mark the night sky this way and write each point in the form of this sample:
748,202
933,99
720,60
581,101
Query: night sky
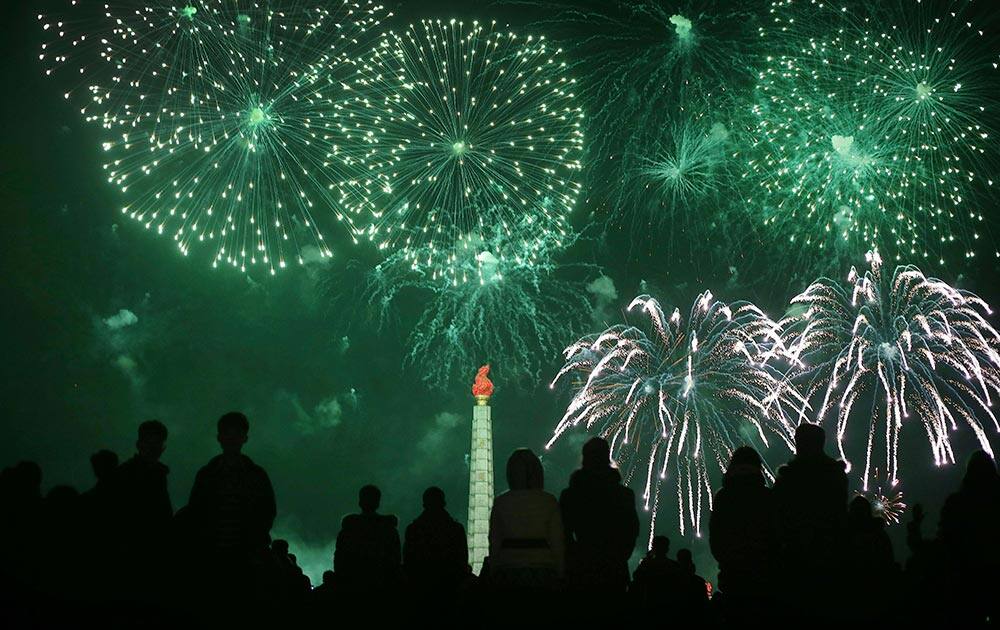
330,405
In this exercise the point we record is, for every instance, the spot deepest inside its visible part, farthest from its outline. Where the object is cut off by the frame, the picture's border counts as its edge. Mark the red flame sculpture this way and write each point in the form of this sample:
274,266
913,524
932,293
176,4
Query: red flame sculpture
482,387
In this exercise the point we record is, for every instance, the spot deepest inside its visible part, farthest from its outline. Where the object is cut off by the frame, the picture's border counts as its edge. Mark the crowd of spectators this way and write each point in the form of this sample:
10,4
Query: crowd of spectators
799,550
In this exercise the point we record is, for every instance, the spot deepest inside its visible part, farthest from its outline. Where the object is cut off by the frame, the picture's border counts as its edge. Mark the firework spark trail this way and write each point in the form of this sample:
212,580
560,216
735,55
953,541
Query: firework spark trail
680,391
450,110
873,129
919,346
660,80
640,59
224,121
684,171
518,305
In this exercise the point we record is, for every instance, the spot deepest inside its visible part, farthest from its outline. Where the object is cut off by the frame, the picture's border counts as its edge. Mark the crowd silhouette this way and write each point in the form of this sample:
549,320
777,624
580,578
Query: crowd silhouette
800,550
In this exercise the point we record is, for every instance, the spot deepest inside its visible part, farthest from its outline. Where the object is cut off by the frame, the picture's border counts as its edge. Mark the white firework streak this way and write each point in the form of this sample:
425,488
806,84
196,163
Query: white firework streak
676,392
923,348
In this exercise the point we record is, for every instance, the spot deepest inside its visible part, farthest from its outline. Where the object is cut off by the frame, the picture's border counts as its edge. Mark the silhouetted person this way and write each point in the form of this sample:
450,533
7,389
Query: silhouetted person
692,594
969,531
143,515
367,558
324,595
289,584
870,569
20,492
435,550
811,497
526,534
141,487
927,580
601,524
657,579
231,511
743,536
98,513
232,498
61,540
104,464
20,521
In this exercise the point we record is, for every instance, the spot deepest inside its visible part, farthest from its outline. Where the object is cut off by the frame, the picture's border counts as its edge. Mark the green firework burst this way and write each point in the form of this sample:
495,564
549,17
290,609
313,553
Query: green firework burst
873,129
450,110
224,122
517,306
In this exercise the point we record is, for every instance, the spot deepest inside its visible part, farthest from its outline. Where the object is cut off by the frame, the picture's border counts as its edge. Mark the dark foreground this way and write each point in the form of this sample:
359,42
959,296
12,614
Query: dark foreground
800,551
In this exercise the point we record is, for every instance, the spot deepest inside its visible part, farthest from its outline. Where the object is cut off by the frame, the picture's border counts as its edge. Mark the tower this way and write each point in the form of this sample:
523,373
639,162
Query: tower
480,471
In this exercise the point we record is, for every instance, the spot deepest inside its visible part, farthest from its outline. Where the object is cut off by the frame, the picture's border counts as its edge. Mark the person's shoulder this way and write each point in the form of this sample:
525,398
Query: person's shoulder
785,471
209,469
128,466
390,520
211,464
836,467
350,521
503,498
249,463
255,468
415,527
547,498
722,494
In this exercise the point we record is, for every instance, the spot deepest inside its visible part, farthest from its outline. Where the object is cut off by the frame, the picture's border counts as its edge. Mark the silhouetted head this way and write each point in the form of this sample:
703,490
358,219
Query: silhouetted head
152,440
980,472
233,429
103,463
745,462
660,547
28,474
596,453
809,439
524,471
279,546
433,498
685,560
328,577
369,498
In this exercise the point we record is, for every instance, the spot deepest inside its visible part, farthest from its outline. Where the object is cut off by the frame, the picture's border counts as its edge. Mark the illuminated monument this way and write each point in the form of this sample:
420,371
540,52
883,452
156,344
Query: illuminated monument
480,471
